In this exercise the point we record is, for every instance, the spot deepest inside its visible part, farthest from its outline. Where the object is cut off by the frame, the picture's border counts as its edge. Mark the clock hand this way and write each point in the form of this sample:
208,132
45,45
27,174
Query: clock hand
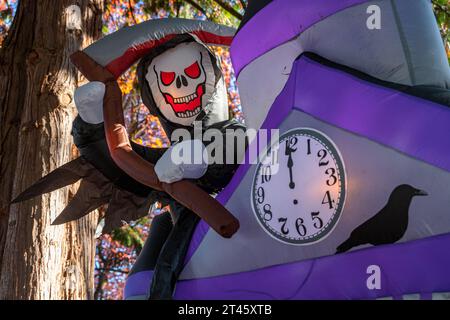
290,164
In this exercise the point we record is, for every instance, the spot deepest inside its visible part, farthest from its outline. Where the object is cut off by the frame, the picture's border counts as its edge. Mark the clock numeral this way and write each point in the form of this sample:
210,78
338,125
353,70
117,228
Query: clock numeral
267,212
284,229
318,223
291,143
261,195
266,174
308,147
333,179
322,154
327,200
301,229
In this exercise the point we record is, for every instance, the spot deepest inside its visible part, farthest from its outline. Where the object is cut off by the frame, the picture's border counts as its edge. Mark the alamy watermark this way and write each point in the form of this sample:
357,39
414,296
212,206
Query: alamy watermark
373,22
374,280
229,146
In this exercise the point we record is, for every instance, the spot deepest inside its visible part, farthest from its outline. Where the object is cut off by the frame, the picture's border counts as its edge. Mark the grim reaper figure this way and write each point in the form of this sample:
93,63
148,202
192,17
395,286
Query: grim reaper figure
182,84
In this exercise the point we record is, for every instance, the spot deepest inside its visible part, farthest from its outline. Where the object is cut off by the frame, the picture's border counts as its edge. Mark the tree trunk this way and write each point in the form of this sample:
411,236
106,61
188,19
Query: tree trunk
37,81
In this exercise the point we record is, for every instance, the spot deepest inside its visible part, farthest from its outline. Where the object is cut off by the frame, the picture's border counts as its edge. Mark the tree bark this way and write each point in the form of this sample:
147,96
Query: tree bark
37,81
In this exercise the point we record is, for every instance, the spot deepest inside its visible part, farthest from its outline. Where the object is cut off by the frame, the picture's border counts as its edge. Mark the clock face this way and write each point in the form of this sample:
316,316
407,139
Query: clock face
299,187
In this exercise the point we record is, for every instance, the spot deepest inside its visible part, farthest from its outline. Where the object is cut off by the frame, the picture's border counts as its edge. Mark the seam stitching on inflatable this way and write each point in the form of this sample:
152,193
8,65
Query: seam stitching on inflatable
405,46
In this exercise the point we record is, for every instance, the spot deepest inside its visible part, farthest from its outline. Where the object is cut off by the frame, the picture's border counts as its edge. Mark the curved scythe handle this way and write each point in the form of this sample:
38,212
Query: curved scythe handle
185,192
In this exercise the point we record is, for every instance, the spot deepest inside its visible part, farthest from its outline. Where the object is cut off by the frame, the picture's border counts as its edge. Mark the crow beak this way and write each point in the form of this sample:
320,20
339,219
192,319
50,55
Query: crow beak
421,193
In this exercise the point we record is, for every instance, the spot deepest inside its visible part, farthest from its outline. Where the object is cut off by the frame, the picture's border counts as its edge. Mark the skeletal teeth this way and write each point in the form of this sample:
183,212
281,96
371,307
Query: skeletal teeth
185,99
188,114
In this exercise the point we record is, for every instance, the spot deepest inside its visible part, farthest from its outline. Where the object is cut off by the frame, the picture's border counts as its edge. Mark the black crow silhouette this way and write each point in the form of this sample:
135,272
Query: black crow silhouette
387,226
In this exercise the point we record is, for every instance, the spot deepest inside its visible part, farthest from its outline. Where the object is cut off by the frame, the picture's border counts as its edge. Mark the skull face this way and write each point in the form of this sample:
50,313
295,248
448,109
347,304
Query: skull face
182,81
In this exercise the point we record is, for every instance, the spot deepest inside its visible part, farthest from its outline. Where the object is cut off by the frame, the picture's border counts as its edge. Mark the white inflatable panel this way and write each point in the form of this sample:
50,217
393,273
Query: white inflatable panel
406,50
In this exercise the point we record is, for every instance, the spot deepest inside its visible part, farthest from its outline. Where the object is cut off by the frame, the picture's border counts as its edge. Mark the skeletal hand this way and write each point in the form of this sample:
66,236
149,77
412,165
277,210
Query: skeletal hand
89,102
183,160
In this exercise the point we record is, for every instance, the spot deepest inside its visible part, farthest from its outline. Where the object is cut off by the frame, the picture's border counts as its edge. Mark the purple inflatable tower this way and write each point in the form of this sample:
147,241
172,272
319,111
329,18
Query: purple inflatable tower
358,207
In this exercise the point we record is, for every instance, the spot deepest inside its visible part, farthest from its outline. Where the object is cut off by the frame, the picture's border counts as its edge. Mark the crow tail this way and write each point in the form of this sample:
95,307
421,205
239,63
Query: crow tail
345,246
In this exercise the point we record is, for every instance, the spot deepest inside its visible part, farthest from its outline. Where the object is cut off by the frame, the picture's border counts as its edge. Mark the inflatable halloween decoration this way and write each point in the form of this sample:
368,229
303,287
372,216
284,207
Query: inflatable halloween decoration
362,168
121,150
181,82
363,176
99,158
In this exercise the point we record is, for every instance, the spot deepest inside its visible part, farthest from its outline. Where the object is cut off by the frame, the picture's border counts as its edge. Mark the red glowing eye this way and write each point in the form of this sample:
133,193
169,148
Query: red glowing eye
167,77
193,71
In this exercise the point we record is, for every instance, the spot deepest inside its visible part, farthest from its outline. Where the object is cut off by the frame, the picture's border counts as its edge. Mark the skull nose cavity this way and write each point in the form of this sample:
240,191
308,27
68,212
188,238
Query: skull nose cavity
181,81
184,80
